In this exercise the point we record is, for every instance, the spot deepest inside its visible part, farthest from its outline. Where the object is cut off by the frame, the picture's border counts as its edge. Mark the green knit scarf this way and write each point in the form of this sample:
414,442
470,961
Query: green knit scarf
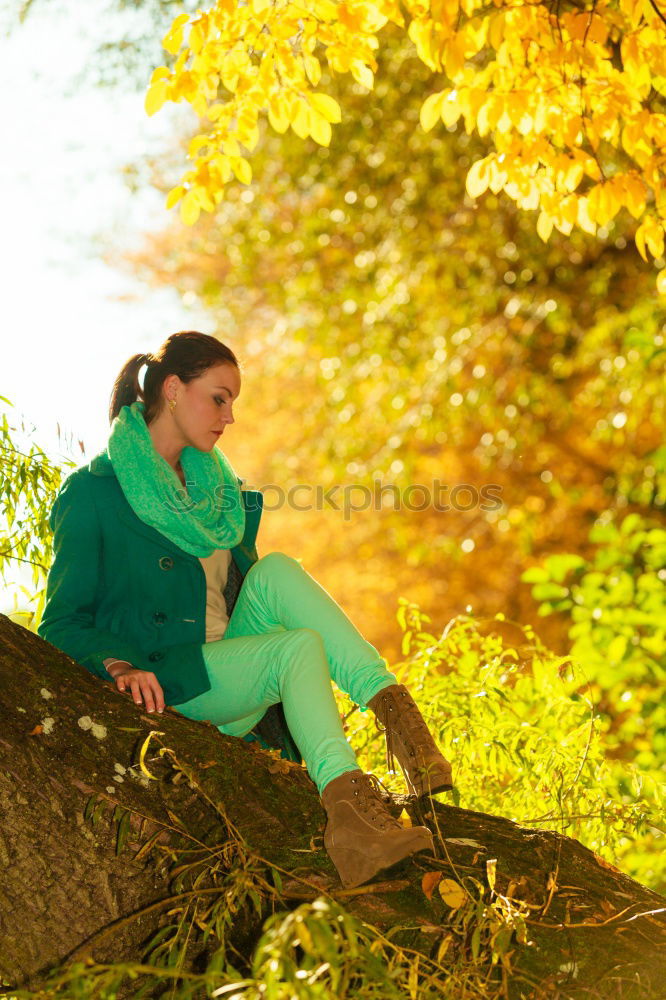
207,515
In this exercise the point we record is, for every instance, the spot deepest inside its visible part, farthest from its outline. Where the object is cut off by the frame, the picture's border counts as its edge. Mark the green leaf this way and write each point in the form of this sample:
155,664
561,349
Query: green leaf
560,566
617,649
536,574
90,805
549,591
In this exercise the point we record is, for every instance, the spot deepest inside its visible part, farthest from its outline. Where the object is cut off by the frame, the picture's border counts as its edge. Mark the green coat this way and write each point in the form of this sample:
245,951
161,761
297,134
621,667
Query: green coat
120,588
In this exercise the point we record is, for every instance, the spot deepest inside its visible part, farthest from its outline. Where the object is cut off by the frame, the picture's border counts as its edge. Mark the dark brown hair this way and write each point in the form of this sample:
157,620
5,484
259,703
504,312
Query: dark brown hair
188,355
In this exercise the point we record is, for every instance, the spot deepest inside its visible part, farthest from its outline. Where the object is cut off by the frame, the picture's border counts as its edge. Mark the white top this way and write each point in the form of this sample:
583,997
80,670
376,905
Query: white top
216,568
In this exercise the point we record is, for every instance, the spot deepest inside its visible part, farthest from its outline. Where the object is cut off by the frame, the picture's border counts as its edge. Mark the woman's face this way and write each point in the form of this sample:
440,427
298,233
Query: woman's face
204,406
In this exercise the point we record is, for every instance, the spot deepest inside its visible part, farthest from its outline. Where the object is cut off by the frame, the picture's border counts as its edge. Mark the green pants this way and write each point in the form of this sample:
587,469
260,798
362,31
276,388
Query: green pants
285,640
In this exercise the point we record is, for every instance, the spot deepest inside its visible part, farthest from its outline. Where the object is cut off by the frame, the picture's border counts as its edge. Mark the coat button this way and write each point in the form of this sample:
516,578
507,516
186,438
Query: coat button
159,618
156,657
166,562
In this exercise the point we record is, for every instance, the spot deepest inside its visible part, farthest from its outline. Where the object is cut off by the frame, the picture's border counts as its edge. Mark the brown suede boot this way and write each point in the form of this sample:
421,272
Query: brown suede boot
361,836
409,740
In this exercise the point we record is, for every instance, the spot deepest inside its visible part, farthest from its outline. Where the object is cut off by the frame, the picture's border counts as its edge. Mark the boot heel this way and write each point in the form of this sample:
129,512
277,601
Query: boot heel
352,866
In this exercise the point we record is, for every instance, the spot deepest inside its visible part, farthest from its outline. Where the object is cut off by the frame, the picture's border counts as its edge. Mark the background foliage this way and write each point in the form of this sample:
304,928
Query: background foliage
422,337
29,482
570,97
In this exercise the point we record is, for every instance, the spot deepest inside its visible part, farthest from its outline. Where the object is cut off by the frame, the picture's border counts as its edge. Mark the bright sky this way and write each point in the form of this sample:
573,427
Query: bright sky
69,321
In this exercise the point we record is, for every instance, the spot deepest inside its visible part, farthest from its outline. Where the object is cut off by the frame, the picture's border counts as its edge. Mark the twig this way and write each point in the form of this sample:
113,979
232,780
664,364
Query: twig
602,923
657,11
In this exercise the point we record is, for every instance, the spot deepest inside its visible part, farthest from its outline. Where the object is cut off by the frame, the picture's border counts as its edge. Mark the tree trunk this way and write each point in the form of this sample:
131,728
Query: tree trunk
71,744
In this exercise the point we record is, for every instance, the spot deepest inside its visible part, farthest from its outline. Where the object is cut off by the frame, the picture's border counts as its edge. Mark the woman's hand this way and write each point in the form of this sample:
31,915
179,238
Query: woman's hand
141,684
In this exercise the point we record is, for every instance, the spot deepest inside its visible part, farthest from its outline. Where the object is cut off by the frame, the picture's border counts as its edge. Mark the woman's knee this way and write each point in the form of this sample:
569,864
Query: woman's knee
307,639
303,649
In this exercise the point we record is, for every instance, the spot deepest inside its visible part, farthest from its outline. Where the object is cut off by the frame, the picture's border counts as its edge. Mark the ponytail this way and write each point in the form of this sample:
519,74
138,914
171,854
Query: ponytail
126,389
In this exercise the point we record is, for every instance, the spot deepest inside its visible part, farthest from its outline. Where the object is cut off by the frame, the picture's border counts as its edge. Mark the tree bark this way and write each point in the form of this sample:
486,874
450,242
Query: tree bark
70,742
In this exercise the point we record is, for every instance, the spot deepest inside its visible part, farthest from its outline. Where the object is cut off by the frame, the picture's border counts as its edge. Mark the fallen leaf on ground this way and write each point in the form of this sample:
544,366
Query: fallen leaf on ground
429,881
452,893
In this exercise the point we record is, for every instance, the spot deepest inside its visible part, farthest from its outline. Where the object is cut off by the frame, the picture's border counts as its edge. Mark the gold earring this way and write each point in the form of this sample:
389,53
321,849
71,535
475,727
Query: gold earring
172,405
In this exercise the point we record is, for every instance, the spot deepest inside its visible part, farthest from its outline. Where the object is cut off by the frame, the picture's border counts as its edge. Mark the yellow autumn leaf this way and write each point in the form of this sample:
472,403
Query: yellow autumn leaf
325,10
642,80
230,79
249,136
496,25
320,129
483,125
659,84
562,225
444,946
327,107
374,17
203,197
173,39
161,73
529,197
635,196
569,209
431,110
362,74
242,169
573,176
220,165
583,219
312,69
190,209
454,58
544,226
452,893
144,751
197,144
491,871
156,96
640,242
196,39
230,146
199,104
478,178
216,111
497,175
420,33
654,237
451,109
183,86
301,120
174,196
277,116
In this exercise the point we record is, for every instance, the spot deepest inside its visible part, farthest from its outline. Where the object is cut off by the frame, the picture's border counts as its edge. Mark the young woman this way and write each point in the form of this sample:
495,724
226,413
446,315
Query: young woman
156,585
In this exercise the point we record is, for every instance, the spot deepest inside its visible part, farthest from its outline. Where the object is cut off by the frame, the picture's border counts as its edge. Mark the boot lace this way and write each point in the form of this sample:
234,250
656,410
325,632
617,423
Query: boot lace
369,790
407,720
